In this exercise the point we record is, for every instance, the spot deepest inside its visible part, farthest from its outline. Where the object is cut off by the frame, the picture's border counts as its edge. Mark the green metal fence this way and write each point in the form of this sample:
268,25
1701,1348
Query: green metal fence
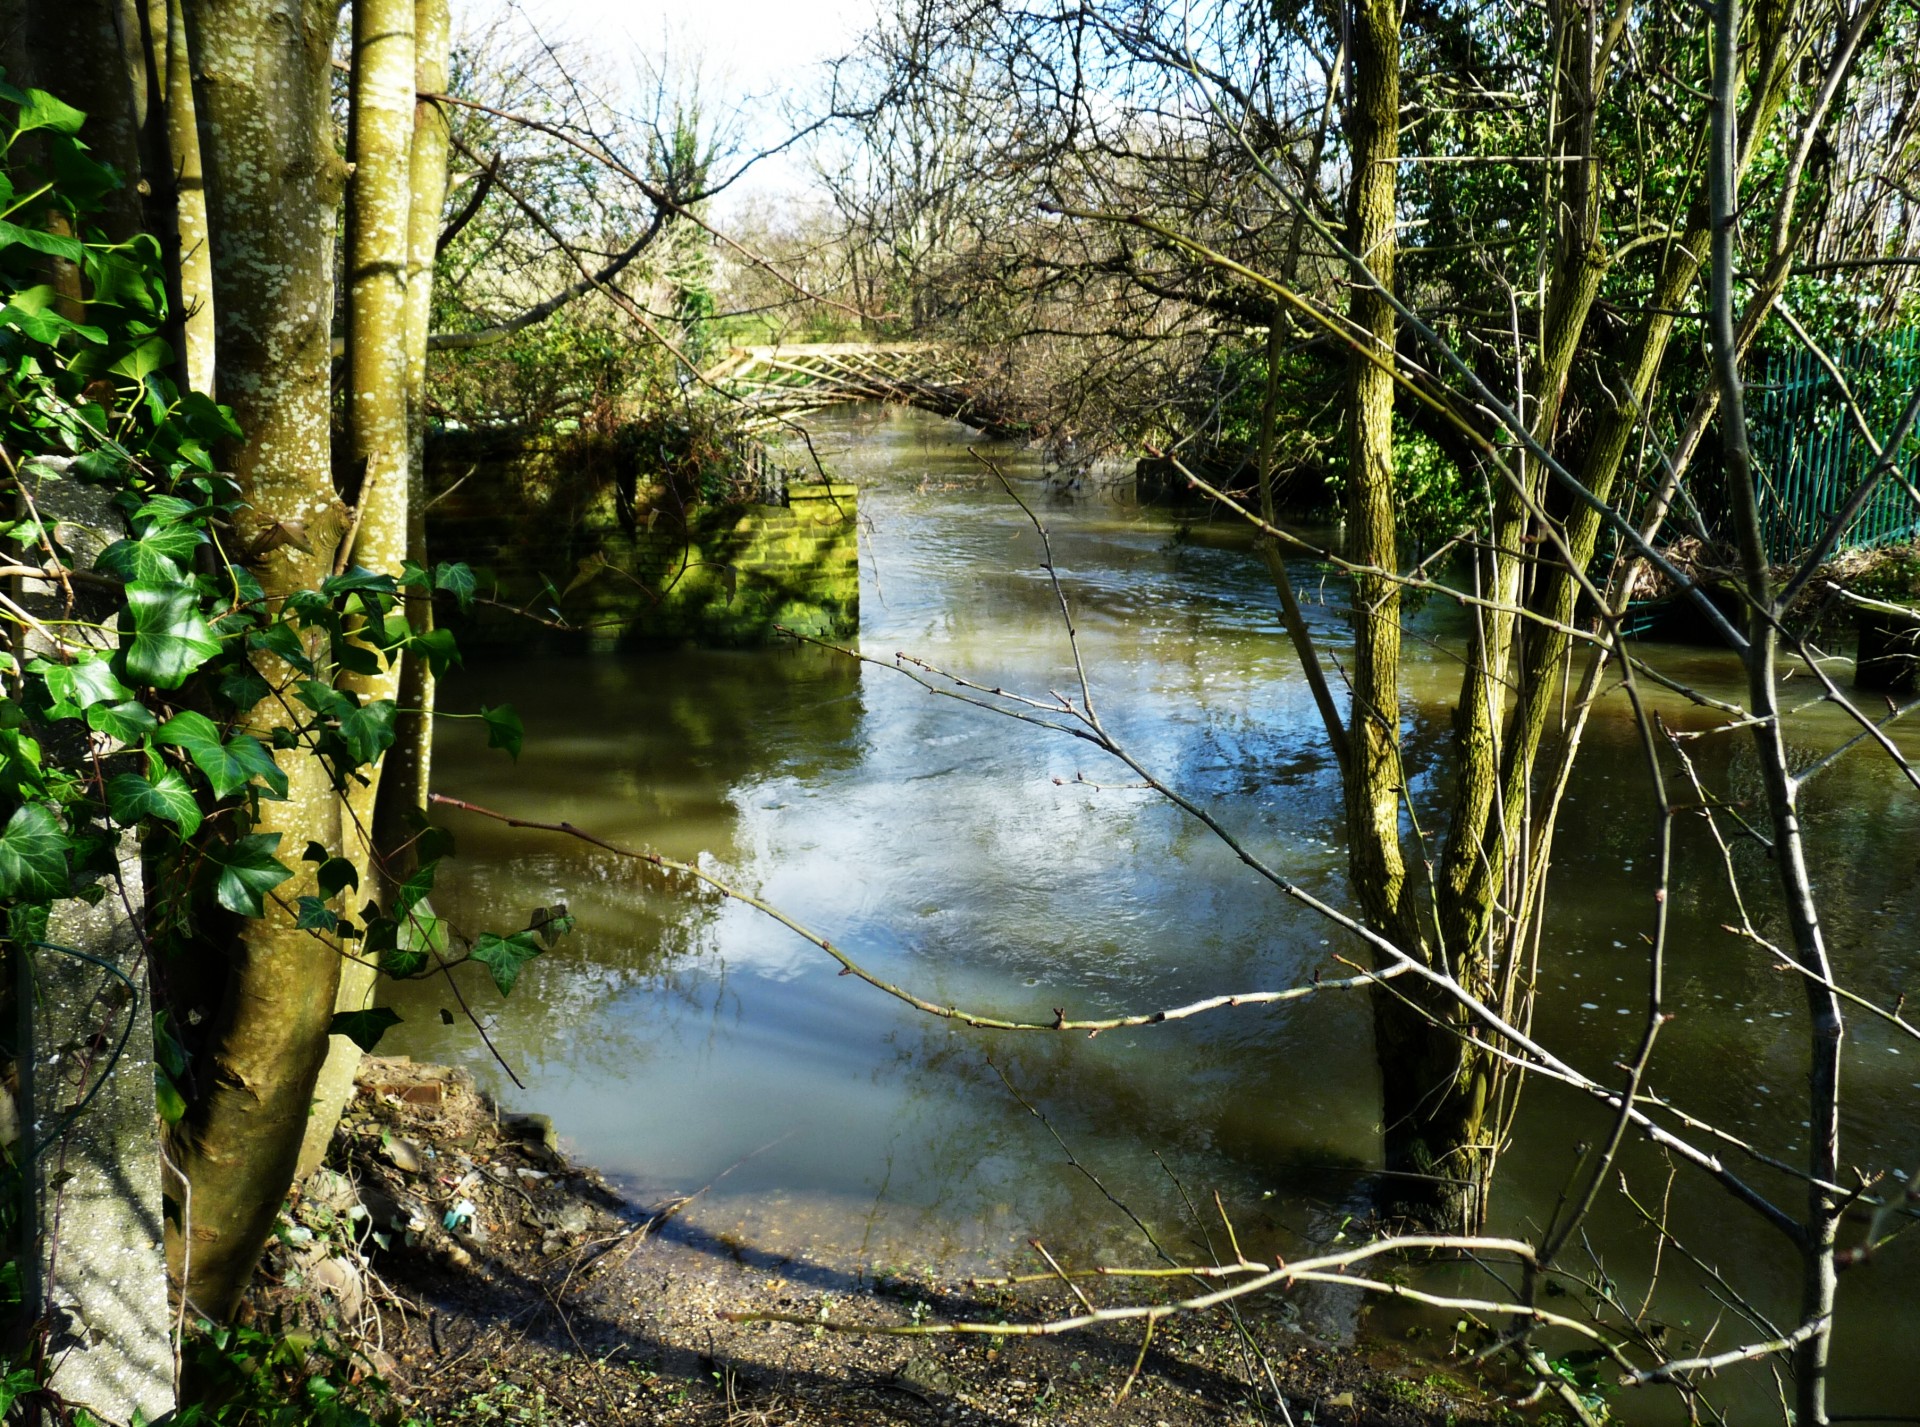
1809,454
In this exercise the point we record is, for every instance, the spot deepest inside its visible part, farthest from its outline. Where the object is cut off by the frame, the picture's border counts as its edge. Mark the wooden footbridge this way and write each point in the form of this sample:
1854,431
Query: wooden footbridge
780,382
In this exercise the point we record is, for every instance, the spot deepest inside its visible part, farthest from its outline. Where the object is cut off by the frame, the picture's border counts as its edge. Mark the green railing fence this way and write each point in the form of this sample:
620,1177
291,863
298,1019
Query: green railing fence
1810,455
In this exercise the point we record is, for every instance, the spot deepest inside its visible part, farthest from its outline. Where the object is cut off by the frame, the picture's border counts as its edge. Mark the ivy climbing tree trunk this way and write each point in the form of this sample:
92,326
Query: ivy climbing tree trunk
261,74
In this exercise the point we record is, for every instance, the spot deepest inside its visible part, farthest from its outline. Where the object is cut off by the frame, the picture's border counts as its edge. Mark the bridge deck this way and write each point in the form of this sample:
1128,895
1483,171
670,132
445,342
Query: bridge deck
786,379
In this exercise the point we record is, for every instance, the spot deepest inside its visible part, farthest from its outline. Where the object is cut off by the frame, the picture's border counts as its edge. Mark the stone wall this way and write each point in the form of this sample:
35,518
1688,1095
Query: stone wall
584,553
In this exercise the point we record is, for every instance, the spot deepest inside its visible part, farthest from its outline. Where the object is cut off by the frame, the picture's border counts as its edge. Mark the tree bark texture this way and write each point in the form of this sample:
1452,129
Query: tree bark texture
408,777
1434,1086
261,70
180,191
379,211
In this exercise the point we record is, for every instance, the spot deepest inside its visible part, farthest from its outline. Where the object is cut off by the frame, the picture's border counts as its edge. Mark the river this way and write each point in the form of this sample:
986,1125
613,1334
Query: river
676,1037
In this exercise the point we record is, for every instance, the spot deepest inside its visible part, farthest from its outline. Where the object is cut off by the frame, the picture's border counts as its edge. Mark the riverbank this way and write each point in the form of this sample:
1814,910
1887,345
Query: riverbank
459,1255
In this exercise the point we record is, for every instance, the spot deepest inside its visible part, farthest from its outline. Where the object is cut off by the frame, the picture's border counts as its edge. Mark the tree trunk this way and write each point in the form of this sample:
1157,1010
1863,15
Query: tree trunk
1433,1085
403,789
378,256
1807,943
180,192
261,71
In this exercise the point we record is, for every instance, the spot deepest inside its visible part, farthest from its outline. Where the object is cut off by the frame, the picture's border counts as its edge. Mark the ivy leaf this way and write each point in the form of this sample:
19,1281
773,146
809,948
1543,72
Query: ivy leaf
247,753
144,360
129,721
336,873
20,759
356,658
172,1104
550,923
324,699
248,871
170,635
207,416
413,891
364,1028
31,311
54,245
157,557
433,843
376,591
229,766
40,110
166,1046
314,916
78,686
243,687
368,730
357,578
438,648
118,280
401,963
166,509
33,855
419,933
27,921
457,580
131,798
281,640
504,729
504,956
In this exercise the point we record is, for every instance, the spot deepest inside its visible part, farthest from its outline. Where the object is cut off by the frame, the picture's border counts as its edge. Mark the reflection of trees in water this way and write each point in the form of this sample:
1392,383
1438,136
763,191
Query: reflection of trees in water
635,748
700,750
1275,1130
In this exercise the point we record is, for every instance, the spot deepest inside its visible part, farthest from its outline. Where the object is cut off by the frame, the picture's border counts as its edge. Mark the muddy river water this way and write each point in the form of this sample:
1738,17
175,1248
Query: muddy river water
676,1036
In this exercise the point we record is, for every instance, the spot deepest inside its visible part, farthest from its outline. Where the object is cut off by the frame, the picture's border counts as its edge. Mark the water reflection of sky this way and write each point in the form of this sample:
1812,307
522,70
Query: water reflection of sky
956,853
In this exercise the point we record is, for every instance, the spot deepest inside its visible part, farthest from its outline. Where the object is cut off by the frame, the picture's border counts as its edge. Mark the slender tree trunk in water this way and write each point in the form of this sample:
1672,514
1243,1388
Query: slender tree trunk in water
1270,552
273,185
403,789
1433,1086
379,212
1807,944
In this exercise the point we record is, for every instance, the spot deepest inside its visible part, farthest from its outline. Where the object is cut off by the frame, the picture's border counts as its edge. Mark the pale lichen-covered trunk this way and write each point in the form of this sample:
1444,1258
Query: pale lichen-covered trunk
184,182
273,183
404,787
378,259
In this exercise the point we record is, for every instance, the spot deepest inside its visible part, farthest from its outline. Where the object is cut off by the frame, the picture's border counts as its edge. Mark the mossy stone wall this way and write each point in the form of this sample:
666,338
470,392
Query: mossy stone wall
579,552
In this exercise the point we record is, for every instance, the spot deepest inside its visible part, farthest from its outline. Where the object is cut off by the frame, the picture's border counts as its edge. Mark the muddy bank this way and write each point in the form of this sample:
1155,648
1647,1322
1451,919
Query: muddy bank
488,1279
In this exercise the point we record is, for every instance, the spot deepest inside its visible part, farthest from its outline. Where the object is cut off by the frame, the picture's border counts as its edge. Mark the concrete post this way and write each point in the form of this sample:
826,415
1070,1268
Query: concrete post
96,1269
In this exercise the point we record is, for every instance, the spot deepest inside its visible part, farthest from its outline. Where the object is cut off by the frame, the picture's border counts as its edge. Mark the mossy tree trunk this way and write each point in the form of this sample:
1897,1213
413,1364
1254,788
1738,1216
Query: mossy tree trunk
1433,1083
1471,912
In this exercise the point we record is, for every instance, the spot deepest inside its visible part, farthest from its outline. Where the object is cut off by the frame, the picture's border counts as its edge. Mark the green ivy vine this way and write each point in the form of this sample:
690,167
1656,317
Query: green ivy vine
131,675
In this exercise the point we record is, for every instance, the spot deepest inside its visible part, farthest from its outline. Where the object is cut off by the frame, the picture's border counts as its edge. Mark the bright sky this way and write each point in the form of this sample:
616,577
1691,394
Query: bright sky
751,53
